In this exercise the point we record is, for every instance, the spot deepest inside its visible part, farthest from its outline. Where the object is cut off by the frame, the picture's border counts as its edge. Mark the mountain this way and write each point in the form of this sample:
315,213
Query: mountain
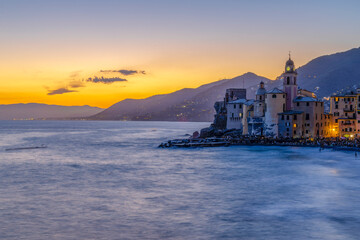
188,104
44,111
325,75
331,73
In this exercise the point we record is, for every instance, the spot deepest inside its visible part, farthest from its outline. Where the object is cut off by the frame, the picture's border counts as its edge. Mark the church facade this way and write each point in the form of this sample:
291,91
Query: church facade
287,112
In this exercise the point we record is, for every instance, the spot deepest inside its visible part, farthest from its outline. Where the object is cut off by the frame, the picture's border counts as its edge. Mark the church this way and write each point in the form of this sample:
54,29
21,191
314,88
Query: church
287,112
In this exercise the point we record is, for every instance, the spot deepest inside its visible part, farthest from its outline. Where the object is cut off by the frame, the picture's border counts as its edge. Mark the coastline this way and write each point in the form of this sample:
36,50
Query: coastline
223,142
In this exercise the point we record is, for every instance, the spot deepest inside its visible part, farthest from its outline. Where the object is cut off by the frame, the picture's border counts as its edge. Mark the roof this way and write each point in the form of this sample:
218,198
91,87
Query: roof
243,101
292,112
238,101
305,99
275,91
289,62
261,91
249,102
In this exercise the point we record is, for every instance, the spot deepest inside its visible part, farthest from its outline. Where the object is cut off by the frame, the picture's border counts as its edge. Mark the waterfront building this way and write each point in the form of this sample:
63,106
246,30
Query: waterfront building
275,101
345,109
290,112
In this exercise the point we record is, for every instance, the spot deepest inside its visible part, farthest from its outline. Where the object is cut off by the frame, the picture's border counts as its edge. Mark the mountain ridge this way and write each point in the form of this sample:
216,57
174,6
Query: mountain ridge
37,111
324,75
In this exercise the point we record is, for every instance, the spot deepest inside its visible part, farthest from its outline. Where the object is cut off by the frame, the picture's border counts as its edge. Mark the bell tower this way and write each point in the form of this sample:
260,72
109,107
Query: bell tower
289,83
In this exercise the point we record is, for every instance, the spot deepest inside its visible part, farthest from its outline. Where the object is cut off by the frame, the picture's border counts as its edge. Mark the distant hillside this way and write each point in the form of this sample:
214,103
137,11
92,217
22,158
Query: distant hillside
189,104
331,73
325,75
44,111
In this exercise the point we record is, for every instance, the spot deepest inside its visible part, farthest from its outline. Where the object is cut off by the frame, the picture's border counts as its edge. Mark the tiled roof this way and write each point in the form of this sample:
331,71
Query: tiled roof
243,101
305,99
275,91
239,101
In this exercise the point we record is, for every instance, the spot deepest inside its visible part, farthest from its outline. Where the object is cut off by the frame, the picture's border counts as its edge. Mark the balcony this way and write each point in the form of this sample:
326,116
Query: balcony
347,123
349,110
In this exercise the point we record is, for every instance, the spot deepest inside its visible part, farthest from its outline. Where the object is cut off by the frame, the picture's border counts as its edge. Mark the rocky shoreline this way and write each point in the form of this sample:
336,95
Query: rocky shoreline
233,138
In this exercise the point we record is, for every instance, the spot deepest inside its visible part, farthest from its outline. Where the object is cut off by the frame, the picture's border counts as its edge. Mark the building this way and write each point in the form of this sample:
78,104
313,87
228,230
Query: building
345,110
287,112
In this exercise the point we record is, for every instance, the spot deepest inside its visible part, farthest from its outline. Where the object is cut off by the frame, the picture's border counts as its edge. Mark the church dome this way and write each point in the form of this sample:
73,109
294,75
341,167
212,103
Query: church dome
261,90
289,62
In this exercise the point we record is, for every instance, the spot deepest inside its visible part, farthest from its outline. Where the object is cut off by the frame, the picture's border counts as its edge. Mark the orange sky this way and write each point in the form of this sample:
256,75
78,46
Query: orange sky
46,47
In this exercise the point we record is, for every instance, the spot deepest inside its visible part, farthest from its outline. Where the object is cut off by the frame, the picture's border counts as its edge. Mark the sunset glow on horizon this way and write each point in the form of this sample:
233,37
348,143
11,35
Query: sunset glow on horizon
98,53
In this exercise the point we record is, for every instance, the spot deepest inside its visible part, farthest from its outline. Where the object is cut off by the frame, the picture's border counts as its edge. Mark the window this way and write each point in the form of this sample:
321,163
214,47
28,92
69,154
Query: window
315,116
336,120
287,129
283,96
282,117
307,117
284,107
234,106
298,104
295,117
288,80
294,80
232,115
240,106
294,125
287,117
294,132
307,104
274,96
337,106
307,131
316,104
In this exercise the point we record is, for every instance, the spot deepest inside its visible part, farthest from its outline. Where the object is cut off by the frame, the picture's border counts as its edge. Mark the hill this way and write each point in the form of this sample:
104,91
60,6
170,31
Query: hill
188,104
325,75
44,111
331,73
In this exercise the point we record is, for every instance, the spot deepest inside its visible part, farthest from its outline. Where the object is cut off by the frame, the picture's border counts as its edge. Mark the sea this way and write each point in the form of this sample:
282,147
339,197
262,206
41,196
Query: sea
109,180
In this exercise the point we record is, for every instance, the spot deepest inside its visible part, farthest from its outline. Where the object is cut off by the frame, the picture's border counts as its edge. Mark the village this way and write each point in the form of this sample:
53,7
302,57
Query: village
287,116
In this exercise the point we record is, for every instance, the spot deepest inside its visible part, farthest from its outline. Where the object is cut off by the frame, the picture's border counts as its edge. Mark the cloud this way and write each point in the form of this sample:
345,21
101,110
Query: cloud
60,91
124,72
105,80
76,84
74,74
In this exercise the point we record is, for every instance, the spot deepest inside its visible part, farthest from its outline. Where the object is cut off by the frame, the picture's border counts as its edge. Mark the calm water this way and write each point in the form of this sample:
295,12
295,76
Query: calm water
108,180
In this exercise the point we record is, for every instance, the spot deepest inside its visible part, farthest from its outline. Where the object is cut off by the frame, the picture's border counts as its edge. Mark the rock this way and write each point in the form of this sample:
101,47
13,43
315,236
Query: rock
207,132
196,134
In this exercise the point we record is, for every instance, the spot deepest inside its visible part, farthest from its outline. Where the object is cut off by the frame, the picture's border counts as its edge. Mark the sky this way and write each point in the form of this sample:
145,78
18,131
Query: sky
84,52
